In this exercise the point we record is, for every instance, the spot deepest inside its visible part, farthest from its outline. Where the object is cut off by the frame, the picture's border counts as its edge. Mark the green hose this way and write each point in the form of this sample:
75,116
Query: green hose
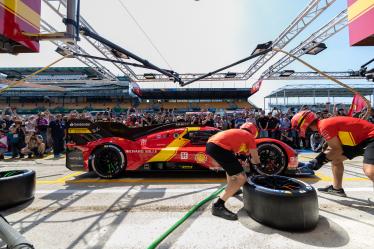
185,217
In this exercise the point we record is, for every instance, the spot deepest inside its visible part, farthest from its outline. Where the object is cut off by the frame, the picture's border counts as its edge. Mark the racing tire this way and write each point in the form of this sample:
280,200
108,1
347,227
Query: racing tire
16,187
281,202
108,161
273,159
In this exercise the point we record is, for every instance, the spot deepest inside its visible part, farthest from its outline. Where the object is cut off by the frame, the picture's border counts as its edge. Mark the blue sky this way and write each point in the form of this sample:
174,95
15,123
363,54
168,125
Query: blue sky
200,36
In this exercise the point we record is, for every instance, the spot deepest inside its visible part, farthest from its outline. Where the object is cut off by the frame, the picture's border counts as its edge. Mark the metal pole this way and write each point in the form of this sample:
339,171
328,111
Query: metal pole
11,237
264,103
265,51
276,99
146,63
269,104
72,19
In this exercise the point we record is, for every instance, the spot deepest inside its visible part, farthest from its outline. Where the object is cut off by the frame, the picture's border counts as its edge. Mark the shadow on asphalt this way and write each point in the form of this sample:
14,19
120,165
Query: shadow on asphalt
326,234
180,174
356,203
160,174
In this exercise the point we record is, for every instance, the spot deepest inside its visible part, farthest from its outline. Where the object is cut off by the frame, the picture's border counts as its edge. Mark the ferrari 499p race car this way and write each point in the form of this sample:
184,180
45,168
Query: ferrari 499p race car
109,148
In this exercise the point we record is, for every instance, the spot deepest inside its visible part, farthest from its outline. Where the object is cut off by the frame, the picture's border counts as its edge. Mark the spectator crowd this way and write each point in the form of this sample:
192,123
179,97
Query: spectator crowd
36,135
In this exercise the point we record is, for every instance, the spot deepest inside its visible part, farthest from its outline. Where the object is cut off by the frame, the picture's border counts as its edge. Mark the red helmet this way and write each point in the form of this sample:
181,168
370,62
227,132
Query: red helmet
302,120
251,128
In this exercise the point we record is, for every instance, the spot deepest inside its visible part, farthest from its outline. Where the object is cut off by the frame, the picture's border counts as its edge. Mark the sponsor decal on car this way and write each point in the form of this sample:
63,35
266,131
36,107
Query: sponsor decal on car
184,155
141,151
79,124
79,131
201,158
143,141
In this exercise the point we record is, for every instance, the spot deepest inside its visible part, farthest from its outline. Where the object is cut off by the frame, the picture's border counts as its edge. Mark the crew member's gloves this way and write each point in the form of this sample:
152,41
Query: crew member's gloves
316,163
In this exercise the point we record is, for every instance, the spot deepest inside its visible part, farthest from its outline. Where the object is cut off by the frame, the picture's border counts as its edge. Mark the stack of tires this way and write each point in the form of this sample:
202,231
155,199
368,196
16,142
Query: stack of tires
281,202
16,187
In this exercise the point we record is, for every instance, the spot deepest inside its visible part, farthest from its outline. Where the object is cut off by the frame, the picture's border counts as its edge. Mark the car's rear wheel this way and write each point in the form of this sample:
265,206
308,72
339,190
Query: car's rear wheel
281,202
108,161
273,159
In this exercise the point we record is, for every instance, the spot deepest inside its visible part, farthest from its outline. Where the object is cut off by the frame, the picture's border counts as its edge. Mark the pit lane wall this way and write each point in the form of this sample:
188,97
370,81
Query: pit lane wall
17,16
361,22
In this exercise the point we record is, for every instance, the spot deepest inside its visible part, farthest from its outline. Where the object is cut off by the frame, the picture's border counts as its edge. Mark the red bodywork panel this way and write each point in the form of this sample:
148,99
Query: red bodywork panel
17,16
173,145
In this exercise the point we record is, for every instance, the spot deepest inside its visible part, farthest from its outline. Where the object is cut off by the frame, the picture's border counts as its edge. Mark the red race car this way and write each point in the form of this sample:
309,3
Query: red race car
109,148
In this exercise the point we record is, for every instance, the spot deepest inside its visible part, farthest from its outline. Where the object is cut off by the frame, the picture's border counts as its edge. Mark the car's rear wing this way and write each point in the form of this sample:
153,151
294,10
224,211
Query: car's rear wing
81,131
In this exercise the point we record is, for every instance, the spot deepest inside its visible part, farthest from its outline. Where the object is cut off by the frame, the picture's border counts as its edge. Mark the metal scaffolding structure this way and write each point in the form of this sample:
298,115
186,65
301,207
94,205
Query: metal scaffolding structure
330,29
306,17
59,7
95,65
349,75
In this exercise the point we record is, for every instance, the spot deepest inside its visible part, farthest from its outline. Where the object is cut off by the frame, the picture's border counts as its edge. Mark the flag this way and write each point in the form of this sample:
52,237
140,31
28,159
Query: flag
358,104
256,86
134,90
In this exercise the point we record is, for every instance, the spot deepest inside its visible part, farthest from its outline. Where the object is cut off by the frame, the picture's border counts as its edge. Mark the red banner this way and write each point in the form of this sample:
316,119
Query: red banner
358,104
256,86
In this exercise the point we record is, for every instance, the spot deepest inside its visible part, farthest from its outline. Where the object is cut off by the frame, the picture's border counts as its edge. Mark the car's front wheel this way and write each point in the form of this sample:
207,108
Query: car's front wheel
108,161
273,159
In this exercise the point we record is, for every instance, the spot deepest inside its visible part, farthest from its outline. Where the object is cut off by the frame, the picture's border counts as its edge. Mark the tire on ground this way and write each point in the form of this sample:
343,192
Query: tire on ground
273,159
281,202
108,161
16,187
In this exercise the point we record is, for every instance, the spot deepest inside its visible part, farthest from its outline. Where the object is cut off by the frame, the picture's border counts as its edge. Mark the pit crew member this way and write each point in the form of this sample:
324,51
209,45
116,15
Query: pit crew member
224,148
346,137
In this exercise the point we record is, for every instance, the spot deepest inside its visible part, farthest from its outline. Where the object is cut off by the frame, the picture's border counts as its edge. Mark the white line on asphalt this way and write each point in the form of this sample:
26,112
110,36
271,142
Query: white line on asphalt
156,190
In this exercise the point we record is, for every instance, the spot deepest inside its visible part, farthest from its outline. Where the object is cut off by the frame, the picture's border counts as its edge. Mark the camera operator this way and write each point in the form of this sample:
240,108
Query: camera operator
34,145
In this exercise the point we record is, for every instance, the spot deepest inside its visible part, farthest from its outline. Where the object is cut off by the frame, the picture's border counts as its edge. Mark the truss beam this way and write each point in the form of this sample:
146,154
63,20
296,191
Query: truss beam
349,75
99,68
331,28
306,17
104,50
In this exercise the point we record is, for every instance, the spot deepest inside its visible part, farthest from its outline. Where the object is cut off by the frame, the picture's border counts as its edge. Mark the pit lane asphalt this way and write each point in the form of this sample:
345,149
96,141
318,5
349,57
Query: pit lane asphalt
78,210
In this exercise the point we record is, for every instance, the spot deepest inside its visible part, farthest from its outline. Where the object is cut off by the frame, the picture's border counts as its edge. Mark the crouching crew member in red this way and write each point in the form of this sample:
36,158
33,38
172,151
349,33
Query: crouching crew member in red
224,148
346,137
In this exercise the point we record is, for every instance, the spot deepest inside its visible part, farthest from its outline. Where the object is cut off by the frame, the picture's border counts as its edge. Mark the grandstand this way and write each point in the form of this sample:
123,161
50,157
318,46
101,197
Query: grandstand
315,95
86,90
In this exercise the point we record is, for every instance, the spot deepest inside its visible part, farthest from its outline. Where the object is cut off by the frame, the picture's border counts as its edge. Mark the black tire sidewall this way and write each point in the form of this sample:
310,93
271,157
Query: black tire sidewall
100,149
286,210
280,151
17,189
